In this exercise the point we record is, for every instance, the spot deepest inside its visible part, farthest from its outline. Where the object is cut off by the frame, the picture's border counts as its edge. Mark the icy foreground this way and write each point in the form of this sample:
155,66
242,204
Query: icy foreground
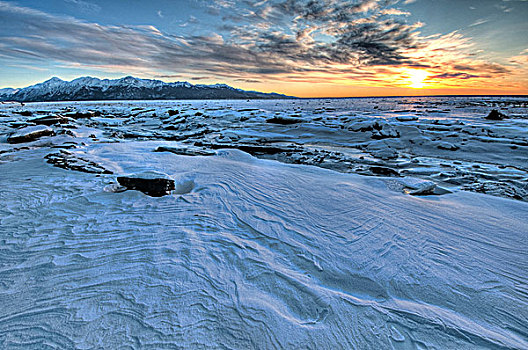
245,252
258,255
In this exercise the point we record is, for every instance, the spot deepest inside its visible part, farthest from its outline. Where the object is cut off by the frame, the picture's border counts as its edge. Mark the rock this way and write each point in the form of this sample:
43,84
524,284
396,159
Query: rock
427,188
508,189
384,171
153,184
255,150
49,120
186,151
25,113
30,133
419,187
19,125
496,115
67,160
173,112
81,115
284,120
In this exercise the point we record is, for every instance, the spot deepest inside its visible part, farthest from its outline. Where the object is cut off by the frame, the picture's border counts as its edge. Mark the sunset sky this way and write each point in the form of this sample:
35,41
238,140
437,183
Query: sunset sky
304,48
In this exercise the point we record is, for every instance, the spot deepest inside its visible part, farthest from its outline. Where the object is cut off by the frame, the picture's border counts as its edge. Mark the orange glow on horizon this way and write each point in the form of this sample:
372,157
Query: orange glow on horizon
393,81
400,88
416,78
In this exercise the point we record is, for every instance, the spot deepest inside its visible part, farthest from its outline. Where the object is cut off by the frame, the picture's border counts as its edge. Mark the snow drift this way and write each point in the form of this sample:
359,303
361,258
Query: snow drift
258,254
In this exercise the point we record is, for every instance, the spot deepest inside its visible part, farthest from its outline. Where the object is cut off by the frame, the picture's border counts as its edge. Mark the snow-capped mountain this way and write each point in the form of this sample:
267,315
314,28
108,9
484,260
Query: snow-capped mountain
127,88
7,91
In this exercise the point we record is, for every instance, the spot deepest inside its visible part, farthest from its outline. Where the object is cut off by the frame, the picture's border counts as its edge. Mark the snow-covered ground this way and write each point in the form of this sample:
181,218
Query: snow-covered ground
255,253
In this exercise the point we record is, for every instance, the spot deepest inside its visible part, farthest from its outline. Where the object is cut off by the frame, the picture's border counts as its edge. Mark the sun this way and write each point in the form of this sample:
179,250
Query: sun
416,77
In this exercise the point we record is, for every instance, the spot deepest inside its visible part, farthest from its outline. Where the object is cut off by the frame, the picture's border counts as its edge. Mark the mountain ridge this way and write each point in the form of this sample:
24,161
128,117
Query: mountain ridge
127,88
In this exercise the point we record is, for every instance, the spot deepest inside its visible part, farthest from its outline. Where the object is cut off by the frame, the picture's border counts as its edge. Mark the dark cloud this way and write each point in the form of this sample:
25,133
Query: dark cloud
455,75
256,39
248,80
484,67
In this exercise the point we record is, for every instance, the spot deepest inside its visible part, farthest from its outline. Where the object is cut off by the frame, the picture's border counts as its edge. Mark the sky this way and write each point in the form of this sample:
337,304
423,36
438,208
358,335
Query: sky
305,48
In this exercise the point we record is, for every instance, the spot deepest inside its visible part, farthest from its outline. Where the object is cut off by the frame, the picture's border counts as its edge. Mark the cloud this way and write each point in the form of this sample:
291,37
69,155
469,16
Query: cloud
248,80
395,12
454,75
34,34
84,5
479,22
289,40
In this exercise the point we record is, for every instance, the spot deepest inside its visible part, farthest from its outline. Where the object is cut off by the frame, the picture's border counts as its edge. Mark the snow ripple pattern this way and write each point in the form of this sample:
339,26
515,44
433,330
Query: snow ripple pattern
258,255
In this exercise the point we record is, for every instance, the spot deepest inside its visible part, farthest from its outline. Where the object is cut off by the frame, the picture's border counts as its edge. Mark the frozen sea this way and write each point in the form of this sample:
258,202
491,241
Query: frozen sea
375,223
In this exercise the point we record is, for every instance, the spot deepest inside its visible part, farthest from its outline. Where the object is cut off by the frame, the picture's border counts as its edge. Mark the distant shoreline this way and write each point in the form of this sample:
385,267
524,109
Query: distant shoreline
409,96
268,99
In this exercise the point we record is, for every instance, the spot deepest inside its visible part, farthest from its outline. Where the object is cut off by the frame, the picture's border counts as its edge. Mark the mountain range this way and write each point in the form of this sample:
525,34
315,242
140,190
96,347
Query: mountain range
127,88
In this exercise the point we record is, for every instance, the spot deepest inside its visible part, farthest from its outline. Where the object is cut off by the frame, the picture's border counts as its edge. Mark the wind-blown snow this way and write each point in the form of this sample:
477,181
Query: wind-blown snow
246,252
259,254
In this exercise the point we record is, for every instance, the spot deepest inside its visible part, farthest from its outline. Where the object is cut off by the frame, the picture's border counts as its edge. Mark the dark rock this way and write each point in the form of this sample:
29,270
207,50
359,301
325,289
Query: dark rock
508,189
18,125
80,115
70,161
496,115
30,133
384,171
66,132
185,151
255,150
151,183
25,113
173,112
284,120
